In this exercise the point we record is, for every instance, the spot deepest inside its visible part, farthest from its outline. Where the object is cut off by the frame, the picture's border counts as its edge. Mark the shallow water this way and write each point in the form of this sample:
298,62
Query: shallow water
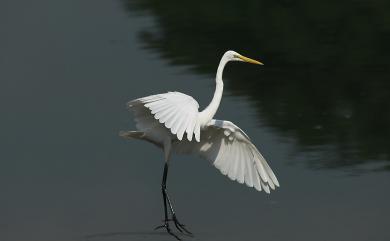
318,111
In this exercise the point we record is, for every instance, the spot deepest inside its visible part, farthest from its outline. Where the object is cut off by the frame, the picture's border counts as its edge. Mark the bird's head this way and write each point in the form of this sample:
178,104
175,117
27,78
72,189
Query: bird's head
234,56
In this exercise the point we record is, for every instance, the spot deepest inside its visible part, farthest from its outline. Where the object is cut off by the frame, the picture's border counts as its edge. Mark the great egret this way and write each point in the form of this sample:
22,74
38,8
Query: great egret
164,120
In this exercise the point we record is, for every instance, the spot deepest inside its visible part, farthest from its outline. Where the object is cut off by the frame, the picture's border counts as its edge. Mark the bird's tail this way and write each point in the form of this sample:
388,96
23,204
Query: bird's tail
140,135
131,134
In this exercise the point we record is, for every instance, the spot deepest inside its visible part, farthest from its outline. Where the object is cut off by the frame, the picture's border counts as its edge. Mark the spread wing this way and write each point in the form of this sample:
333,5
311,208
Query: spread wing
177,111
231,151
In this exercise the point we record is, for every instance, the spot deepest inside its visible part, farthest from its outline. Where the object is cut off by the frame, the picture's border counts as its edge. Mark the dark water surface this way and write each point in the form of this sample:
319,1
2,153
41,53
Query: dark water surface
319,110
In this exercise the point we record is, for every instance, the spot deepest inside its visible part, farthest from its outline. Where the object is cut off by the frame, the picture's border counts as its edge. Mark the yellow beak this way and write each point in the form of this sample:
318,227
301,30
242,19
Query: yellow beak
249,60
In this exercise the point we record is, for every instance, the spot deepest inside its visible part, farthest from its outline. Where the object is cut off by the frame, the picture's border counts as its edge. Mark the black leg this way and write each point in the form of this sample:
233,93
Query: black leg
179,226
166,199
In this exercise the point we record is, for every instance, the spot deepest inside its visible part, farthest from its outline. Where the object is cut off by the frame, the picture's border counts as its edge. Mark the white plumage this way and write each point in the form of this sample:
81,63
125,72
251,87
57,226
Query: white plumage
177,111
172,121
230,150
164,119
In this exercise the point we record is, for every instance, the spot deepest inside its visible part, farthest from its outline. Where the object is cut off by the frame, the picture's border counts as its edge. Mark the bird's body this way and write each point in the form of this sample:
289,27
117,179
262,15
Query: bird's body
173,122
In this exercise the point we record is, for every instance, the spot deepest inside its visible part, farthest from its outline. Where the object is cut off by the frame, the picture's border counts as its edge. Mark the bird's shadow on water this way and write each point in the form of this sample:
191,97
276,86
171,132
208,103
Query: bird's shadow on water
134,235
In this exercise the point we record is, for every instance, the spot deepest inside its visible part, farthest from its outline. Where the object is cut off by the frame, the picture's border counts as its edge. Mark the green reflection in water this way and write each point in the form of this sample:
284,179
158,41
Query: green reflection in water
326,82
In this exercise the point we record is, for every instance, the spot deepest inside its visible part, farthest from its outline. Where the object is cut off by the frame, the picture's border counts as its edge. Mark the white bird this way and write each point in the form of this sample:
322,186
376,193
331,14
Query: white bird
173,122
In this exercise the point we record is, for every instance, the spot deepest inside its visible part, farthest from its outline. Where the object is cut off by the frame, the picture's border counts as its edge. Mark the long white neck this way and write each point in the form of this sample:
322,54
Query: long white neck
208,113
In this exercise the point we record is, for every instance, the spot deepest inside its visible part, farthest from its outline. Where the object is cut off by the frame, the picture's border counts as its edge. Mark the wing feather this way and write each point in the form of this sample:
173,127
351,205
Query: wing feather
182,128
219,161
248,170
234,167
260,169
197,131
173,109
231,151
256,181
164,116
265,187
241,164
190,129
161,109
271,174
226,162
178,123
173,119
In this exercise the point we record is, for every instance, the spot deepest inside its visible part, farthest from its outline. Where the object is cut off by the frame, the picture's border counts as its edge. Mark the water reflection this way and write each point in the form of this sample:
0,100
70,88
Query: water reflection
326,80
143,235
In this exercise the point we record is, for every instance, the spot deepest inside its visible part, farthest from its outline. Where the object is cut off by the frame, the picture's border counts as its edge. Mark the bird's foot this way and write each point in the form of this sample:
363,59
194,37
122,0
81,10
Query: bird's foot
181,227
166,226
